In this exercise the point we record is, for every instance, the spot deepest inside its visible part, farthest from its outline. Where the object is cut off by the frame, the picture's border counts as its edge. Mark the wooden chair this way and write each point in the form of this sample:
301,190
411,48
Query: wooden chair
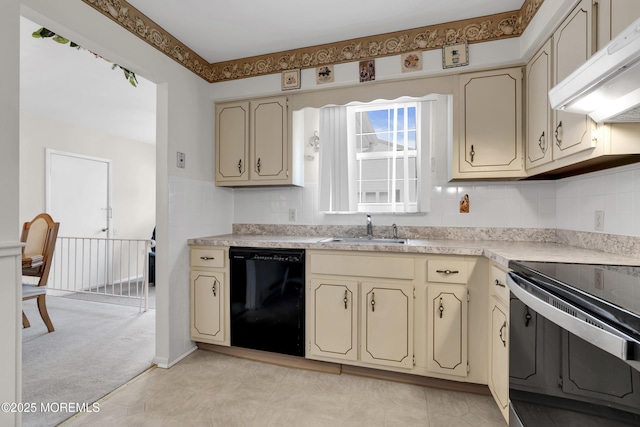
39,237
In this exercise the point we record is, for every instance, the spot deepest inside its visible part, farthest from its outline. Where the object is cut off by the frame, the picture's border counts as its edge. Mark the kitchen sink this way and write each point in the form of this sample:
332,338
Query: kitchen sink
365,240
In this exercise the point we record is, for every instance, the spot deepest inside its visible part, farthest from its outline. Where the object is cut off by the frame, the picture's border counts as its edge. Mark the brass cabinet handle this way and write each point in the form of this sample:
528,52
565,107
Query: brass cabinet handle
447,272
540,141
240,165
373,301
502,338
472,153
206,258
500,284
258,165
213,288
557,134
346,300
441,308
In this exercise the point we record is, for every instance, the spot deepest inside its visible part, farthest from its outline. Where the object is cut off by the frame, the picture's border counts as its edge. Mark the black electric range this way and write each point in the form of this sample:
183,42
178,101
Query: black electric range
574,355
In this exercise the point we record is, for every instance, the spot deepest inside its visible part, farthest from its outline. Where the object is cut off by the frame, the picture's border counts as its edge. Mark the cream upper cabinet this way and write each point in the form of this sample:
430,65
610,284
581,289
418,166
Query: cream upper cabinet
387,324
572,46
538,134
489,116
232,142
447,337
334,308
613,17
269,140
254,144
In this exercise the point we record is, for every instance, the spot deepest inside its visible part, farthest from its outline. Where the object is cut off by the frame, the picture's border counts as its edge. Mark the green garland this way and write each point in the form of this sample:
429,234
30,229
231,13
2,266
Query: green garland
43,33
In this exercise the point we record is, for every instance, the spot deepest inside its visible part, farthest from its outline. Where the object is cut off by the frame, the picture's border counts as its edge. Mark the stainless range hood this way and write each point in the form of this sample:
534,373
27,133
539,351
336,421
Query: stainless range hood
607,86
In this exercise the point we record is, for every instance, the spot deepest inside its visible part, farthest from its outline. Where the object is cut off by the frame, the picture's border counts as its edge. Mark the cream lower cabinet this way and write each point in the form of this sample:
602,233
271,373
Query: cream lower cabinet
499,339
334,311
447,334
360,309
209,295
499,355
387,324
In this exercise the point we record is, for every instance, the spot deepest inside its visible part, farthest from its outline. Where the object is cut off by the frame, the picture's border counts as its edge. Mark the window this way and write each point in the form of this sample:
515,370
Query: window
374,157
385,138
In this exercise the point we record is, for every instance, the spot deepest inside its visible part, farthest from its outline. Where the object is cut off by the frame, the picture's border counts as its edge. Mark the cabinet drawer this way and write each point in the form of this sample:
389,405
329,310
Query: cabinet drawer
498,283
447,271
207,258
387,267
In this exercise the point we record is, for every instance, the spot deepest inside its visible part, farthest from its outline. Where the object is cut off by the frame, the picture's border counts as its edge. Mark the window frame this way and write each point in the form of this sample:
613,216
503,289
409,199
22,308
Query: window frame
391,156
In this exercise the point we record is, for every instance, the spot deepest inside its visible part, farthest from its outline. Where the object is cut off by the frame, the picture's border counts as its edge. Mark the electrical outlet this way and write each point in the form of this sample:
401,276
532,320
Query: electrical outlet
293,214
599,221
180,160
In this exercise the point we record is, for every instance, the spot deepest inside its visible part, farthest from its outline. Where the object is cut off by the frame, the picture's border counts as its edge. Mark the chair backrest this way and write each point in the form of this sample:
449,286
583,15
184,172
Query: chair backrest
39,237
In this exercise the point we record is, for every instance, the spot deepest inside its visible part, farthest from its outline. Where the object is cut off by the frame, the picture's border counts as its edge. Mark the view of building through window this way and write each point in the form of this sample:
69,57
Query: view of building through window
386,149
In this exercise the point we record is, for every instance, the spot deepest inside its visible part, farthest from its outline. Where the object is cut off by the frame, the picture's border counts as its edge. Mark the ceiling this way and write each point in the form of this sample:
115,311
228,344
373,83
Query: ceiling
75,87
222,30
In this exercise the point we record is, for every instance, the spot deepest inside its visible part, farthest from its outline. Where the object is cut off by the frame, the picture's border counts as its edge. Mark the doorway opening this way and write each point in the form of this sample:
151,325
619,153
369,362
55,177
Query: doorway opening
85,129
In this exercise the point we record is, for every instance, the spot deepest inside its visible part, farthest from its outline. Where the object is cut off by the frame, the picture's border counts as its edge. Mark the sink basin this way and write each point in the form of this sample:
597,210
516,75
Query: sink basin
365,240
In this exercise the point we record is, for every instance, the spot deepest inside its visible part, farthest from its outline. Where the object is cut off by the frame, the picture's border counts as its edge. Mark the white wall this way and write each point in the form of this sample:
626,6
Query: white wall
184,123
10,306
133,171
616,192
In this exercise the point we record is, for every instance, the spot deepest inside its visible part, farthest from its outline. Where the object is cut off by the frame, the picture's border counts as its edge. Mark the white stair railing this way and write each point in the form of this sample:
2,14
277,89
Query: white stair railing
111,267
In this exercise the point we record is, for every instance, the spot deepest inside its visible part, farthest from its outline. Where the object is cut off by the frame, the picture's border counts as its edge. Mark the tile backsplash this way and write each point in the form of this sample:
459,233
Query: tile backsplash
568,203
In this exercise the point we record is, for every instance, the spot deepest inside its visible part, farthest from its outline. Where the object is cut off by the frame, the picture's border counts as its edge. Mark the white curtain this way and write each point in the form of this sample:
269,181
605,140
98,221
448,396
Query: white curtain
335,184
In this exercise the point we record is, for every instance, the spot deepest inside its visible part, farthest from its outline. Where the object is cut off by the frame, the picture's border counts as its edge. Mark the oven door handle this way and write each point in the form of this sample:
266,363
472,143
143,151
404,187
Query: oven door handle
582,324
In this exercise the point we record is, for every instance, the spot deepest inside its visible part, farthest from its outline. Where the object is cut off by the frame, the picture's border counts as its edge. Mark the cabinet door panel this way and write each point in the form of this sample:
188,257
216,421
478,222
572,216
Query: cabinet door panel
538,133
269,138
572,47
491,125
387,324
613,17
447,345
334,308
207,306
232,141
499,358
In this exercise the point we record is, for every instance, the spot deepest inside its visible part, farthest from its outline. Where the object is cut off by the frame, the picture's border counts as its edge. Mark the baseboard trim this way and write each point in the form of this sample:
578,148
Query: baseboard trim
273,358
163,363
416,380
336,368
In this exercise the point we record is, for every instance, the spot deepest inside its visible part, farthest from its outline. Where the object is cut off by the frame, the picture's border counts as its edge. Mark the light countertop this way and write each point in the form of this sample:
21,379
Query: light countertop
499,251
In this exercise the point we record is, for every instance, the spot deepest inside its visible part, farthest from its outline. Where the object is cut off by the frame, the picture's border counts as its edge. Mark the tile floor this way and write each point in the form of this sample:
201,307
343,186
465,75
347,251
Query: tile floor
211,389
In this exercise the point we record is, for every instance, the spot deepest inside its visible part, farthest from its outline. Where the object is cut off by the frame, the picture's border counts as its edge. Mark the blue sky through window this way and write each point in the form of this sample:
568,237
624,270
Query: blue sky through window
382,122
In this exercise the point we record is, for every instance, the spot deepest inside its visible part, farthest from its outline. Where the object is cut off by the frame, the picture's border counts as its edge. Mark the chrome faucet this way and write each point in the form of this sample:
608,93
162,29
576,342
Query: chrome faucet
395,231
369,227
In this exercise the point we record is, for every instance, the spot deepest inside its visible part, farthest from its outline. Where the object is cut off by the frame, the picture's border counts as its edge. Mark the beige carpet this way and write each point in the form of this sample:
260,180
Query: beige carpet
95,348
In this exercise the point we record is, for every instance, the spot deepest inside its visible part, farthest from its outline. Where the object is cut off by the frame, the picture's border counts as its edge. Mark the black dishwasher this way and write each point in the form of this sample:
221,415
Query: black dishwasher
267,299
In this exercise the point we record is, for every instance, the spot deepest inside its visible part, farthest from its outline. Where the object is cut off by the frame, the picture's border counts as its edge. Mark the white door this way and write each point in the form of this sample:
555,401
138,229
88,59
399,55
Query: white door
78,194
78,197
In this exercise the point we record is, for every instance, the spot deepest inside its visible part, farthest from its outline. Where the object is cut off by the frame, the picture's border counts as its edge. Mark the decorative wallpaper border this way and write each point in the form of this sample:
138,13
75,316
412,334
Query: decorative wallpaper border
475,30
